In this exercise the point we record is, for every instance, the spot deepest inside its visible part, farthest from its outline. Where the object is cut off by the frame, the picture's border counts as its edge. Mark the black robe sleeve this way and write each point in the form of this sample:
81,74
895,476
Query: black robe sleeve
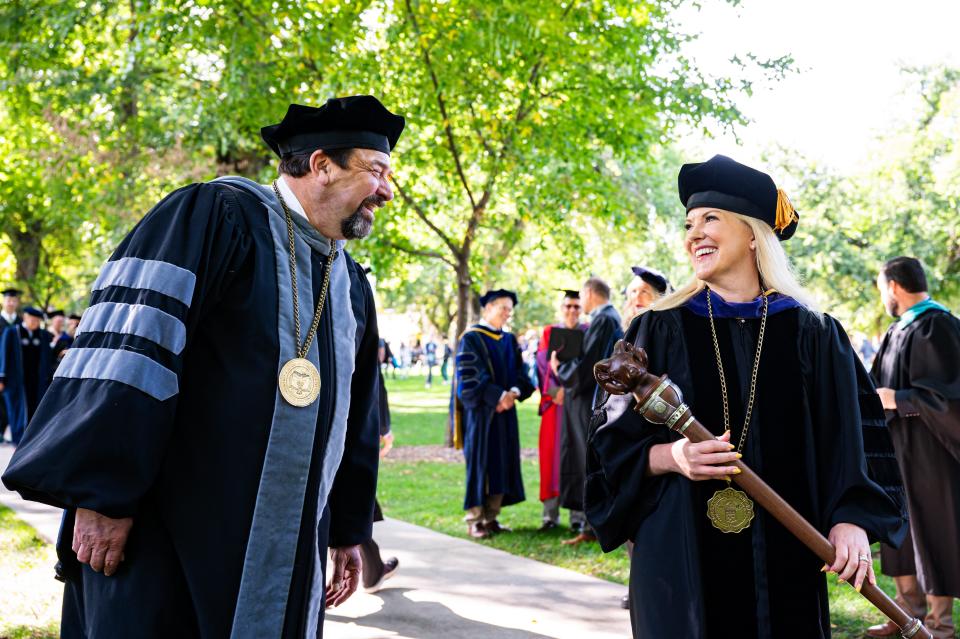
934,379
576,374
618,493
857,475
97,442
355,484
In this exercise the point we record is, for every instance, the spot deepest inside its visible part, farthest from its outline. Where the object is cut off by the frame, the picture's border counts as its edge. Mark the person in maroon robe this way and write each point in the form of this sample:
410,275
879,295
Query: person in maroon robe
551,412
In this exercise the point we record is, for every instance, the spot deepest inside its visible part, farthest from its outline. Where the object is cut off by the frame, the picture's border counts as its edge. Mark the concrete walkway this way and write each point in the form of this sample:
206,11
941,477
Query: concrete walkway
447,588
44,519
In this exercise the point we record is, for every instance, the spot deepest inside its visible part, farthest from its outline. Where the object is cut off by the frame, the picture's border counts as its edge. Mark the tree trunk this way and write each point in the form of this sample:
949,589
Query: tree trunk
464,314
26,247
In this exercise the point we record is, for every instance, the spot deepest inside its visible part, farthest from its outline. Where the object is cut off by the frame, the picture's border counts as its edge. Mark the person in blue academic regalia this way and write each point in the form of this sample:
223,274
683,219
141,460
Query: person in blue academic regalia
25,369
490,378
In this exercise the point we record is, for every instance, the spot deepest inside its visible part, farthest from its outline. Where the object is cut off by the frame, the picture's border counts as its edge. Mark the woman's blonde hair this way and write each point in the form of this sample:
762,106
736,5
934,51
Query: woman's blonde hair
775,270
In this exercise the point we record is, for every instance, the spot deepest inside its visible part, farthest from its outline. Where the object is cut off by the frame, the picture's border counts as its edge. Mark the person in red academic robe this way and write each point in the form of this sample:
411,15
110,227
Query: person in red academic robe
551,412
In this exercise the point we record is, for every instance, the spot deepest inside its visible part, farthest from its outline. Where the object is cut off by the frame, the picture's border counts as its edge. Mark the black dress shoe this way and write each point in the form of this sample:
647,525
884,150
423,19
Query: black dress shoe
495,528
625,602
547,525
390,567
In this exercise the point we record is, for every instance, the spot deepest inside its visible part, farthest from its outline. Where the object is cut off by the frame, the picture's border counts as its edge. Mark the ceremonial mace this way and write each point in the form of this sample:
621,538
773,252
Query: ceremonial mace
661,402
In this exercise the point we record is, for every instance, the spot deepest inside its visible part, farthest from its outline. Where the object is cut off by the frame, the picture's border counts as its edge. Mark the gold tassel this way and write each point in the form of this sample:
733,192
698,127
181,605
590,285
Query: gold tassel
786,214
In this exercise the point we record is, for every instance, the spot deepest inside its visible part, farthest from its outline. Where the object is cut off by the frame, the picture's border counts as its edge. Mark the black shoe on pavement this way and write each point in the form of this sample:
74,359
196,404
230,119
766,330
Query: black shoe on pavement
625,602
390,567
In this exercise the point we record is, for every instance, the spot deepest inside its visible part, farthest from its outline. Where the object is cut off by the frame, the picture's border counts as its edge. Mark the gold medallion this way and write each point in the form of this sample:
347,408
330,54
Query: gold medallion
730,510
299,382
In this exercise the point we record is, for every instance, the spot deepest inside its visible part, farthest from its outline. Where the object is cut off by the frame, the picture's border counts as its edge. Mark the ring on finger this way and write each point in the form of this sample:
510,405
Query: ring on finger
864,559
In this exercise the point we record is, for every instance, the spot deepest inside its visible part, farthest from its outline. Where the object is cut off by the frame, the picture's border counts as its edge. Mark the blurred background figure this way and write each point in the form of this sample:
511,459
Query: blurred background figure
551,413
580,387
376,570
647,286
25,369
918,380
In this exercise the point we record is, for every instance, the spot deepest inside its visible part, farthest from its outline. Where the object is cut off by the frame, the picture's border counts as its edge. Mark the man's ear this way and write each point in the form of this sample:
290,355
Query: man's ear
320,165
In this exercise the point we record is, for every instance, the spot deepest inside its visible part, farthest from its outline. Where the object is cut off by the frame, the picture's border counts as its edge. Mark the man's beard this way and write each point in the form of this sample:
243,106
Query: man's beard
357,226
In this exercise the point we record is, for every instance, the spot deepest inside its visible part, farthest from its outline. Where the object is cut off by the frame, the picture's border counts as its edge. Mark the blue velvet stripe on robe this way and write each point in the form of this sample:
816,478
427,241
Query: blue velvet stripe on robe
489,363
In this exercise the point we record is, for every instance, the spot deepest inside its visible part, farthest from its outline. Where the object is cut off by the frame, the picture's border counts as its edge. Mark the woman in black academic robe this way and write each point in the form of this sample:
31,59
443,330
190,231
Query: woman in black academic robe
815,433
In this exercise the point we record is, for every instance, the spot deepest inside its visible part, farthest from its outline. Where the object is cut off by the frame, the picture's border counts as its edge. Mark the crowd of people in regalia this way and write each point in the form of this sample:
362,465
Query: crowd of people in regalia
32,343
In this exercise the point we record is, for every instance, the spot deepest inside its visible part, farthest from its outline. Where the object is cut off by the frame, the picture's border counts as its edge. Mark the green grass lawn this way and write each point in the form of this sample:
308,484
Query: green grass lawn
418,415
31,597
430,494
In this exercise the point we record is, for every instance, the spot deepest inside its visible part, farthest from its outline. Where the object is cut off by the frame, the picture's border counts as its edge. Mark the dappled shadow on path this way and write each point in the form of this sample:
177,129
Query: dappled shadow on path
400,616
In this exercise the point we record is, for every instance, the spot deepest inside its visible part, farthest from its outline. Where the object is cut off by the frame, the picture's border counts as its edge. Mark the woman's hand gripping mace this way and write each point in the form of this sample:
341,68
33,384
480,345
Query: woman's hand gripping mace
661,402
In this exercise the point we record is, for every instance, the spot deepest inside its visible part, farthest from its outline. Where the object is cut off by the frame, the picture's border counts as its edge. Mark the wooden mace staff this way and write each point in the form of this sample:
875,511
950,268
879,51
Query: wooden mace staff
660,401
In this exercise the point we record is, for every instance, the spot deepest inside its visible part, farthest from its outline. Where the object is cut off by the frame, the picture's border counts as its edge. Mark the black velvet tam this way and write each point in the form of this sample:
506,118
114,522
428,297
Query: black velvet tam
725,184
354,122
654,278
490,296
569,292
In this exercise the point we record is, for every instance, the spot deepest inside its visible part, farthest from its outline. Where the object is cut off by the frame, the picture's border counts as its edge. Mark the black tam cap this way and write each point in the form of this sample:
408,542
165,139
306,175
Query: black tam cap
56,313
74,316
490,296
726,184
12,292
33,311
569,292
654,278
354,122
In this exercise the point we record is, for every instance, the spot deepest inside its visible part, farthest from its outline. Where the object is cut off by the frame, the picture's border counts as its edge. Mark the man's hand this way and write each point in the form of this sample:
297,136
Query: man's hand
554,363
99,541
507,401
347,564
1,387
387,444
888,397
558,397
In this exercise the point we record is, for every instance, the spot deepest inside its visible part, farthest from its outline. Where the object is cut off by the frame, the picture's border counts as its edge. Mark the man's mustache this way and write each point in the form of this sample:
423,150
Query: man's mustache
374,201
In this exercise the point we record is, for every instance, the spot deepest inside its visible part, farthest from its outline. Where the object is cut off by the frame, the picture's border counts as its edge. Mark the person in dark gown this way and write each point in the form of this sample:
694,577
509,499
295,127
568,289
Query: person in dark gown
204,482
580,389
376,569
803,414
551,414
917,371
26,367
490,379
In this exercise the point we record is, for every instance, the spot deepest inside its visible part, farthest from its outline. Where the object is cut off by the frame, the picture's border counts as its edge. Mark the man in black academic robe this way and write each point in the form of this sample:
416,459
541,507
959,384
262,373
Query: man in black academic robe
917,371
8,317
25,369
580,387
207,481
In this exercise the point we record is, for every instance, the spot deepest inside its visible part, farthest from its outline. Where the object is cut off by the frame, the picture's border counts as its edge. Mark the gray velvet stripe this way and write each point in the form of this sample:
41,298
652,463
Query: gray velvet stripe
272,545
345,356
155,275
126,367
141,320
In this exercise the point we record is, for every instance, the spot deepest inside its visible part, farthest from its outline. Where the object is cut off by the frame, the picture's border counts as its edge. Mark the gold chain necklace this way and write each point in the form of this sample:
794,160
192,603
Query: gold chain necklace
730,510
299,378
